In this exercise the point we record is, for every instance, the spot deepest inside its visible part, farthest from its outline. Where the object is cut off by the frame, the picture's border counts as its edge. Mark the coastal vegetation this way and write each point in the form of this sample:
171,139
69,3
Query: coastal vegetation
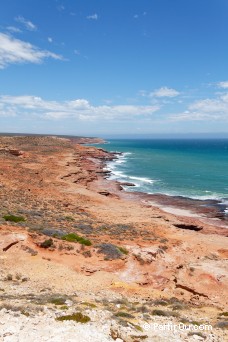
123,250
77,317
47,243
110,251
72,237
13,218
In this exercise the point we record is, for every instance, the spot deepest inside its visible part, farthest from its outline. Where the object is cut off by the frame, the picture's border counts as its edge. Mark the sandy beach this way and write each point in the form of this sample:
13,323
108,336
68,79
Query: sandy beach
112,255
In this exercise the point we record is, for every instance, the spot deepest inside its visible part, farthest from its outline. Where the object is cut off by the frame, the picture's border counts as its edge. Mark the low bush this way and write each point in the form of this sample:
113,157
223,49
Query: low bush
57,300
161,302
13,218
72,237
47,243
123,250
158,312
110,251
90,305
77,317
224,314
69,218
124,314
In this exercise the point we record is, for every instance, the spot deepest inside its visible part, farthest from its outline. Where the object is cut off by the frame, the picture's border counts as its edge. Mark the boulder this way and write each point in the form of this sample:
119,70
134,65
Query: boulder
147,254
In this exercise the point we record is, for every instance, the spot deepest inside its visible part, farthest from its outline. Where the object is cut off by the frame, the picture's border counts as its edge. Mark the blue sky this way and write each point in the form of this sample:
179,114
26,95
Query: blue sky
95,67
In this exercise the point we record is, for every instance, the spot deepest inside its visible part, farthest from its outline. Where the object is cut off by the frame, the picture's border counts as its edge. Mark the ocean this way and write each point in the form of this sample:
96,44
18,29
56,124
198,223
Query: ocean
190,168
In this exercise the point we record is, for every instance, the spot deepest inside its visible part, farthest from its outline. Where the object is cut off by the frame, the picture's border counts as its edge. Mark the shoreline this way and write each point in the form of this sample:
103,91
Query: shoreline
204,216
212,209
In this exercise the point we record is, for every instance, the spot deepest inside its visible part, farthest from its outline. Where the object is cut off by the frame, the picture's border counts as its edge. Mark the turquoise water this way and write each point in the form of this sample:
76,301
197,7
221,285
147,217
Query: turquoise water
189,168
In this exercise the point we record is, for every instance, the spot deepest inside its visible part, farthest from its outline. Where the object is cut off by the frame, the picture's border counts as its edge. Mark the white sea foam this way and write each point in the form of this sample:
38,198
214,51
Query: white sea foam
117,174
127,153
121,176
142,179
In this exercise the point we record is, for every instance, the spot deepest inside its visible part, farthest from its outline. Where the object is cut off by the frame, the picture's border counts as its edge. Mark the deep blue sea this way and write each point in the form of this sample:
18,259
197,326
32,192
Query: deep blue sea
189,168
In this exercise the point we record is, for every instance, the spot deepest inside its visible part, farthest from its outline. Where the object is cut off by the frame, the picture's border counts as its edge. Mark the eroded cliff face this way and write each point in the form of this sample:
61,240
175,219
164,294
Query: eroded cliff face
66,230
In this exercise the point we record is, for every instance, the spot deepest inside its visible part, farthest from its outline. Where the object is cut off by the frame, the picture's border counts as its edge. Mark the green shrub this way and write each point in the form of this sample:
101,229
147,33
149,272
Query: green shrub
57,300
69,218
77,317
137,327
72,237
90,305
47,243
64,307
161,302
123,250
158,312
124,314
13,218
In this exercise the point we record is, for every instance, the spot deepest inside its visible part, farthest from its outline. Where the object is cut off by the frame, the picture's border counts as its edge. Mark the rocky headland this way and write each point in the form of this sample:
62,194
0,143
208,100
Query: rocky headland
83,260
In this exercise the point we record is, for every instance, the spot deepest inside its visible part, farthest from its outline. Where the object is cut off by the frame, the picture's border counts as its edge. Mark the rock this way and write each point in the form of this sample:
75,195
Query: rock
89,270
147,255
104,193
10,245
15,152
10,240
127,184
188,227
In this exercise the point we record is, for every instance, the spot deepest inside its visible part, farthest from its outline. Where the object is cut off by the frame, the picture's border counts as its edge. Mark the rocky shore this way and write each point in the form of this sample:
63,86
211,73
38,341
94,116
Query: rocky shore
83,260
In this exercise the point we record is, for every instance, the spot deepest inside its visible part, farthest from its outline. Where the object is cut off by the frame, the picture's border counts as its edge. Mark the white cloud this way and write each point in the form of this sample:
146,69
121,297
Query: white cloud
13,51
80,109
27,23
210,106
194,116
92,16
165,92
206,110
13,29
50,40
223,85
60,8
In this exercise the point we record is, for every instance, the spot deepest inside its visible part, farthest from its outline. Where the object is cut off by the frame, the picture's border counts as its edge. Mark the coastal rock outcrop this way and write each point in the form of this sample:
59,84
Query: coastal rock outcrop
147,254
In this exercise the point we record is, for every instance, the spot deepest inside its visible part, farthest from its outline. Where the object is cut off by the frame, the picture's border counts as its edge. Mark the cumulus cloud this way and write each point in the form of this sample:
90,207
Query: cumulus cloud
223,85
206,109
92,16
27,23
13,29
165,92
80,109
13,51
